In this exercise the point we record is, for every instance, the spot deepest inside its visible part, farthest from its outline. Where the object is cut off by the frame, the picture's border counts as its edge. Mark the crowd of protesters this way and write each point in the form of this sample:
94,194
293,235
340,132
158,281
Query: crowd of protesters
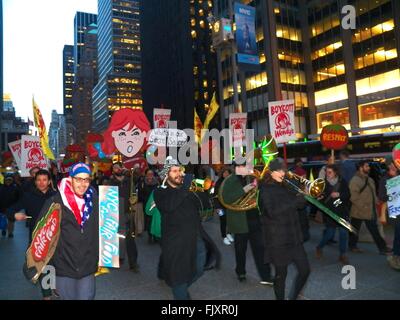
273,227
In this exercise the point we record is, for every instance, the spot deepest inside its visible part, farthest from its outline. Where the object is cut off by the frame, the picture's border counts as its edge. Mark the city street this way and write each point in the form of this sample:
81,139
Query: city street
374,278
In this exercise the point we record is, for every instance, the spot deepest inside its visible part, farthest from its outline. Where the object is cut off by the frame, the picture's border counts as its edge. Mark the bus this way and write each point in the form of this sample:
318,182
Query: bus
375,146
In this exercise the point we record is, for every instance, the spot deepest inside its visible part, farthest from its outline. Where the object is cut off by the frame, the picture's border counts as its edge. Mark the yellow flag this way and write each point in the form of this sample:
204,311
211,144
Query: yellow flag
1,178
39,123
197,126
211,111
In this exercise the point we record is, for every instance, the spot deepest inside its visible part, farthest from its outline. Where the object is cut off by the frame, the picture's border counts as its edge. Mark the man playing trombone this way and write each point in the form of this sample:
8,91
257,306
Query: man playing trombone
282,231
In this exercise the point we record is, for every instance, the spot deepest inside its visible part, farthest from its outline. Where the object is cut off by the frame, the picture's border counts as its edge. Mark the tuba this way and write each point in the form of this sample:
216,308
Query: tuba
313,188
267,150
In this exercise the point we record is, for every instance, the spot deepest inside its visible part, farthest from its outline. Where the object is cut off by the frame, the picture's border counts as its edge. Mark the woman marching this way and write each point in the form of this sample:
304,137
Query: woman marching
282,231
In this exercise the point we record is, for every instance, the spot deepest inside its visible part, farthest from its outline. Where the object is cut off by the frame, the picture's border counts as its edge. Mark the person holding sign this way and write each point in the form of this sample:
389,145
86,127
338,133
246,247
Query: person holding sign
77,253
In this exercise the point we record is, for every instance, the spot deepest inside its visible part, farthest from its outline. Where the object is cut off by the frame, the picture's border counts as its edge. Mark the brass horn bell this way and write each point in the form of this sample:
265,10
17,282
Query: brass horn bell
201,185
312,188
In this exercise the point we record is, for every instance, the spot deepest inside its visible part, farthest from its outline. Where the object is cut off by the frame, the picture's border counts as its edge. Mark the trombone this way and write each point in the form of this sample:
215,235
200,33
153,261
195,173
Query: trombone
312,190
201,185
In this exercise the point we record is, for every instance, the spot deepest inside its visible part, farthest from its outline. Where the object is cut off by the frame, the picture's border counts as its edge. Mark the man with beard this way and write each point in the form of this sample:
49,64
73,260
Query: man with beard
363,209
186,249
123,183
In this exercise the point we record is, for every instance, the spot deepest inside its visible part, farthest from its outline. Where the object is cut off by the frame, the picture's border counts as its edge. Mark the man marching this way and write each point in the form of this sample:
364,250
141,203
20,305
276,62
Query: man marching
77,253
186,249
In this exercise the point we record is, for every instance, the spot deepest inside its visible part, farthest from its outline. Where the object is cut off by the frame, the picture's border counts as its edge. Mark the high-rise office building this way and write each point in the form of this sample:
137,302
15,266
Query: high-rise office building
68,85
179,70
85,80
57,134
334,74
82,21
119,60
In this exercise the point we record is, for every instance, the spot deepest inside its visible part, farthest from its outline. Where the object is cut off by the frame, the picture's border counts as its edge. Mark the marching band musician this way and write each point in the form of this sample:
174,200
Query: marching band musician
245,225
186,249
282,230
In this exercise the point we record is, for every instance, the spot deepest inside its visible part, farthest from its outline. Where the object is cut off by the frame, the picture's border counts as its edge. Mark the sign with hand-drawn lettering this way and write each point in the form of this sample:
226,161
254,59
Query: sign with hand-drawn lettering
15,148
281,120
108,226
32,155
393,192
334,136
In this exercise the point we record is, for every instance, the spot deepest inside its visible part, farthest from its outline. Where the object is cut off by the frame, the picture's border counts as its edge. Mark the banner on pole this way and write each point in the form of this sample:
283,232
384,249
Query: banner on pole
281,120
108,226
237,127
246,34
32,155
161,118
15,148
393,192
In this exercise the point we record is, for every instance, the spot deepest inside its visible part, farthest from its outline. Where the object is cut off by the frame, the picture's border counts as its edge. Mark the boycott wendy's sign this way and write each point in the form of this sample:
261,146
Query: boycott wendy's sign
31,155
281,120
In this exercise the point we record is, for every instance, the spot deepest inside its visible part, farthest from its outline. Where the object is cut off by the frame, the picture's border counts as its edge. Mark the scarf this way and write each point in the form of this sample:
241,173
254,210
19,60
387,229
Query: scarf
333,181
81,207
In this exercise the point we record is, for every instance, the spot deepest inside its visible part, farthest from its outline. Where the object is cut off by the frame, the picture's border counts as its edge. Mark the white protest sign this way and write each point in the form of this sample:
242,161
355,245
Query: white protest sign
281,120
32,155
15,148
393,192
161,118
237,127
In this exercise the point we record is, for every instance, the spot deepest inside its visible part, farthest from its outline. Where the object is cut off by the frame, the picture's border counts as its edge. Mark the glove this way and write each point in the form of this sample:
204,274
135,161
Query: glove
249,187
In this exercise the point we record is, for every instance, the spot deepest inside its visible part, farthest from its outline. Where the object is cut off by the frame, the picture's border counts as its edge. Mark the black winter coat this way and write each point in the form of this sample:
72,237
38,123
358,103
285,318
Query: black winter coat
180,229
343,209
77,252
32,201
282,231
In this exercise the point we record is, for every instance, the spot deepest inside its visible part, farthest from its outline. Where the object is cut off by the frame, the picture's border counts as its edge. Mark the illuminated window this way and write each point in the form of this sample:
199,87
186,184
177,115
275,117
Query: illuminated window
326,50
205,83
202,24
288,33
329,72
380,113
341,117
294,58
192,22
324,25
201,12
205,95
195,70
379,55
256,81
262,58
292,76
367,33
379,82
194,34
333,94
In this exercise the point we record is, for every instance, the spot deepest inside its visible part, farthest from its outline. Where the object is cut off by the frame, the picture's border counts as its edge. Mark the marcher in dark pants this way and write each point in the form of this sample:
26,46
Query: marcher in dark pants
282,231
363,199
245,225
186,249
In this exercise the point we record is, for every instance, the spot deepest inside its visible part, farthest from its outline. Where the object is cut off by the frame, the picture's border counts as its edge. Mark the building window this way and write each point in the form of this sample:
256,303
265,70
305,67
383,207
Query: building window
292,76
380,82
366,33
334,117
378,56
380,113
326,50
333,94
329,72
289,33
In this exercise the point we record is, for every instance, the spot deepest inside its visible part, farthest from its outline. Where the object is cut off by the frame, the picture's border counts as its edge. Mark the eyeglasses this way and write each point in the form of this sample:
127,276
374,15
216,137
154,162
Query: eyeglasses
82,180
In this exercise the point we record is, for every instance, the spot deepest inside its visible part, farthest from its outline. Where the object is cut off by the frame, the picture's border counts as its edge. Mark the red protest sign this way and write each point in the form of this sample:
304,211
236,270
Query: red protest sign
334,136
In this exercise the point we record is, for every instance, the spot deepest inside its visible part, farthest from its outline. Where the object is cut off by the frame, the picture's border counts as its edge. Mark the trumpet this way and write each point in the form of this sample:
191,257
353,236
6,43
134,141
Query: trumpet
201,185
313,188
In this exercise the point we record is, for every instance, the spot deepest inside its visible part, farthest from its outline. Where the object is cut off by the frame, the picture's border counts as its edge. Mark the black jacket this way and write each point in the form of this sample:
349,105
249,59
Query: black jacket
282,231
9,195
180,229
32,201
77,251
342,209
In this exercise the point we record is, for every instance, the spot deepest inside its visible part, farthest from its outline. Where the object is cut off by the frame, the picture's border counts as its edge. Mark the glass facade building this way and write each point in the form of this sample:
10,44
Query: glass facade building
119,60
334,75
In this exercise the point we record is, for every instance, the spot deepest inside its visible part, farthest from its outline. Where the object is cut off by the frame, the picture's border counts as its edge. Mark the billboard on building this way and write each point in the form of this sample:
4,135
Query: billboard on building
247,52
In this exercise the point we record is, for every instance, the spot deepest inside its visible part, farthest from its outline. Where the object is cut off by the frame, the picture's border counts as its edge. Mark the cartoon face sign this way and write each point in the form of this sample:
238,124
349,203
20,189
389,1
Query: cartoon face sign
282,121
129,141
35,155
127,133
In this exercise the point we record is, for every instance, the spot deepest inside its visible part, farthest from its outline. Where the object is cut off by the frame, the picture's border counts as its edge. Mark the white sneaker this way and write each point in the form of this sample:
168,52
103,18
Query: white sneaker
230,238
226,241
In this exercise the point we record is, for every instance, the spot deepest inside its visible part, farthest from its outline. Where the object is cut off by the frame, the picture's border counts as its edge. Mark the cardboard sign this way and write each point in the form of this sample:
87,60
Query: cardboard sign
161,118
167,137
237,127
15,148
32,155
281,120
334,136
108,226
393,192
